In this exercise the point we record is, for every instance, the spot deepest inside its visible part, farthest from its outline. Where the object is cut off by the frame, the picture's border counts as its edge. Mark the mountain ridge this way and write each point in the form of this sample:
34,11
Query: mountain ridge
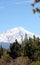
14,33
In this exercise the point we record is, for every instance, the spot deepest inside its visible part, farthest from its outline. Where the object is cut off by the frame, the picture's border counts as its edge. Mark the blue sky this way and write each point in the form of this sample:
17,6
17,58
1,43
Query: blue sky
15,13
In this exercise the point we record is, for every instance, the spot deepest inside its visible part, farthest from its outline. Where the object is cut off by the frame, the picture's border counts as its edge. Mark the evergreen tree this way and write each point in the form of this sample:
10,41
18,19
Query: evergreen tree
1,51
15,49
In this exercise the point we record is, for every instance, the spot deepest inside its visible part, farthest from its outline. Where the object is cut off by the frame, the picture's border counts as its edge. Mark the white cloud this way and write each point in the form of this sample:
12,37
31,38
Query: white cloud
8,4
24,2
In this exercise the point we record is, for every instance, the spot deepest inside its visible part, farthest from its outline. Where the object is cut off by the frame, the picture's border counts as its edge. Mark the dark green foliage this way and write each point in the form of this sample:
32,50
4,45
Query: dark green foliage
32,48
37,9
1,51
15,49
29,47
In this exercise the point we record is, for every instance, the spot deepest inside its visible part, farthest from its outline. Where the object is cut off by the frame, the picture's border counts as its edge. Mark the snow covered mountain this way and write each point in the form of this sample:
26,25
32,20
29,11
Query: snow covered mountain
15,33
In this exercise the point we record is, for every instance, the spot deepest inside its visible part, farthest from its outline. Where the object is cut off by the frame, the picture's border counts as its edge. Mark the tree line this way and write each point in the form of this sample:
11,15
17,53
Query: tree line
30,47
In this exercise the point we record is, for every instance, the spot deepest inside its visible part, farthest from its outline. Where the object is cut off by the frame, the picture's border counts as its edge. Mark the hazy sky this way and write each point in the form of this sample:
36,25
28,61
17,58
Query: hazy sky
15,13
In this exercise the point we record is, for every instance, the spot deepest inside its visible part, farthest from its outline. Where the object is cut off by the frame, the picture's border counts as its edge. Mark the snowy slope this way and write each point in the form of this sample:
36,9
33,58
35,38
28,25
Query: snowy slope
15,33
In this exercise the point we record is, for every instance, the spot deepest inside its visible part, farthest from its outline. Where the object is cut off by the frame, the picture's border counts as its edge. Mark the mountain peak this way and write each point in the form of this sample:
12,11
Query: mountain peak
15,33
